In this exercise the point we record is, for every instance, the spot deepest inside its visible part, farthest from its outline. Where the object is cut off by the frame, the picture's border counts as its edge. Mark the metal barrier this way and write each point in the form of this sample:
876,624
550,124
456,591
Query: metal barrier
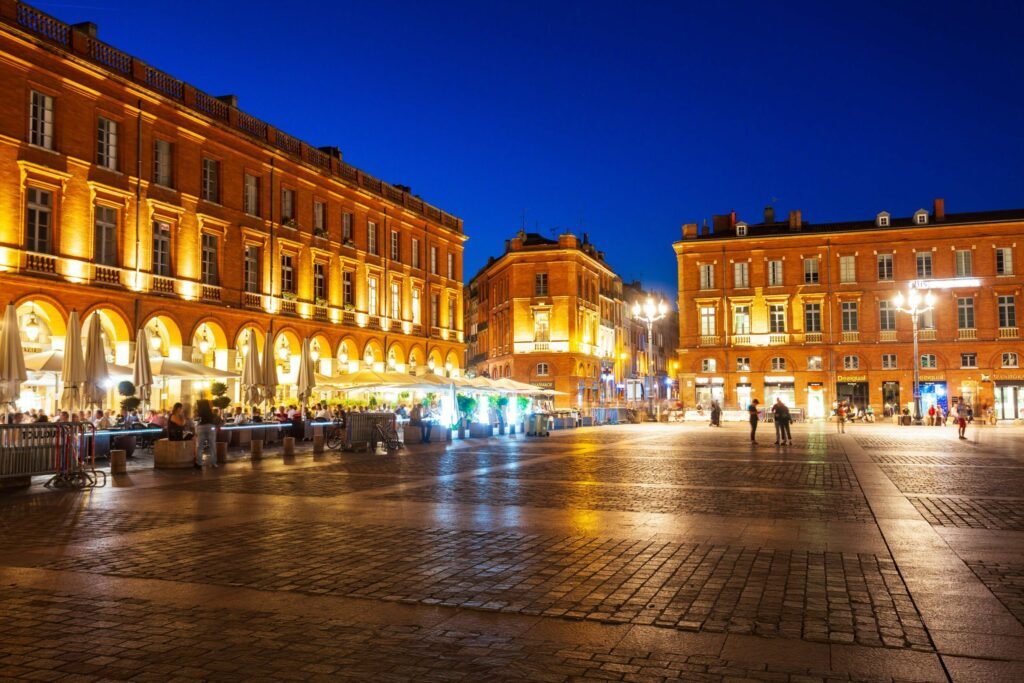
64,449
359,428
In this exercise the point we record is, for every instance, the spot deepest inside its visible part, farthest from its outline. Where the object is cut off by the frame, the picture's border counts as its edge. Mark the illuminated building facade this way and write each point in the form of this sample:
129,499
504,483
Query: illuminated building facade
126,191
804,311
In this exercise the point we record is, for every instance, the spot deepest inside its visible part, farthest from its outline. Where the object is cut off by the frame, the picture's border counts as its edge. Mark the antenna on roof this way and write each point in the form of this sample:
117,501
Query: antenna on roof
524,219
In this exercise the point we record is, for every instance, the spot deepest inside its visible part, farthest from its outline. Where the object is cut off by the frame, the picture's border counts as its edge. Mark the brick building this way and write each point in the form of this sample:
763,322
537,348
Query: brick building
549,312
126,191
664,348
804,310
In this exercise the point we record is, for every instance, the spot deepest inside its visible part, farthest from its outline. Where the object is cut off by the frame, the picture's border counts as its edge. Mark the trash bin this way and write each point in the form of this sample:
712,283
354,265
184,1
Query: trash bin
537,425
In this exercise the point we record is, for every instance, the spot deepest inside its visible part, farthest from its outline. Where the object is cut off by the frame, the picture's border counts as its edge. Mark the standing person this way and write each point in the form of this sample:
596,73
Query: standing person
961,419
206,426
841,417
716,414
752,410
931,414
781,418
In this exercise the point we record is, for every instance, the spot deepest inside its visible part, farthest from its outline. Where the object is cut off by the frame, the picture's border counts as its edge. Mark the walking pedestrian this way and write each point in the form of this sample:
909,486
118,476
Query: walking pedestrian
961,419
716,414
841,417
206,429
752,410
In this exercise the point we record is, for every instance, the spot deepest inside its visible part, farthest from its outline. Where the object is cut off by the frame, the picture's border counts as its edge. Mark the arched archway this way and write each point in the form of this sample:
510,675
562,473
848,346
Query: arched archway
373,353
396,357
416,358
42,322
164,335
435,362
209,344
321,353
241,344
452,365
115,331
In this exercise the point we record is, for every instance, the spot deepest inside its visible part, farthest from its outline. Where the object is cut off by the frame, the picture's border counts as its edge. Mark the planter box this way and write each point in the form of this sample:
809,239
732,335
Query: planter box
477,430
174,455
587,421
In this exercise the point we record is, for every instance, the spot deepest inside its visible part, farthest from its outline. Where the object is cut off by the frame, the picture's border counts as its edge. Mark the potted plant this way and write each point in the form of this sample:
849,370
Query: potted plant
320,232
220,401
501,408
129,402
466,408
522,403
289,296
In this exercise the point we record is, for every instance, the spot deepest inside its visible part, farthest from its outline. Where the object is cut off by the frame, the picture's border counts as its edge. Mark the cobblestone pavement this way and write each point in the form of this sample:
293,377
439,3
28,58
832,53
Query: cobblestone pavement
633,553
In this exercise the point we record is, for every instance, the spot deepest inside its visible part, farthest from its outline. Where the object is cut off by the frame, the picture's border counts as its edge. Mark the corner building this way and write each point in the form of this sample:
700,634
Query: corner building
550,313
128,192
804,311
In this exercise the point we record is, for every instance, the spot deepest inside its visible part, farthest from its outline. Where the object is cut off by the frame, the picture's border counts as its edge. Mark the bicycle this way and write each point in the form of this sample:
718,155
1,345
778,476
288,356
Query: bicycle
335,436
387,435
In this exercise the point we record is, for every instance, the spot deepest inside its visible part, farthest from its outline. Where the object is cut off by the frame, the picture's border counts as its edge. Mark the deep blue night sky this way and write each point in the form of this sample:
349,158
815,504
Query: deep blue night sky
622,119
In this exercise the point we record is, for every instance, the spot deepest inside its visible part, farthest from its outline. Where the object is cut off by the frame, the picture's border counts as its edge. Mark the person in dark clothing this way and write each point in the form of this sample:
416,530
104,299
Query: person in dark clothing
206,432
781,417
752,409
176,424
716,414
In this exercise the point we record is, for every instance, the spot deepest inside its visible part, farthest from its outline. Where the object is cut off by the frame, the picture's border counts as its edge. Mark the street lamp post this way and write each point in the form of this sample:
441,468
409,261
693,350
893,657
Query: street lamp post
649,313
914,305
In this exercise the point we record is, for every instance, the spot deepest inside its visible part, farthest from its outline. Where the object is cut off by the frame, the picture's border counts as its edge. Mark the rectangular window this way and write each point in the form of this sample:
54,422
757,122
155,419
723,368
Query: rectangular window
708,365
924,264
415,248
849,316
926,320
451,266
106,143
1009,359
251,269
540,284
888,361
965,312
963,263
1004,261
161,248
847,269
396,301
346,227
885,267
814,363
851,362
40,126
319,216
968,360
451,313
777,318
371,237
743,364
348,293
741,320
1007,311
927,360
105,236
812,318
208,263
708,325
774,273
163,163
741,275
211,180
287,205
707,276
886,316
371,296
287,274
39,220
778,363
433,260
251,195
416,313
395,244
434,312
320,282
541,329
811,276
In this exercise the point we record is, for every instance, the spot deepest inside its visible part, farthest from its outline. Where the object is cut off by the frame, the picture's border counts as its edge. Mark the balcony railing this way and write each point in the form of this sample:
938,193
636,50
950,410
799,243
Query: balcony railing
778,338
373,321
320,313
708,339
741,340
348,317
887,335
252,300
966,334
211,293
417,329
851,336
1008,333
541,346
926,334
435,332
288,306
163,285
41,263
812,338
106,275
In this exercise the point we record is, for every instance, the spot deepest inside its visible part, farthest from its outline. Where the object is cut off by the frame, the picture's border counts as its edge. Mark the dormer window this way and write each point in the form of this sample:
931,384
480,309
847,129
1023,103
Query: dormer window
920,217
741,229
882,219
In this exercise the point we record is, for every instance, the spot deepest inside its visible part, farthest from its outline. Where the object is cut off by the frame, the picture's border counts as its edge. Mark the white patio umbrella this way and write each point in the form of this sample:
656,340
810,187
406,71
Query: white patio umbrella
306,381
142,373
173,368
72,373
94,389
12,359
268,374
251,371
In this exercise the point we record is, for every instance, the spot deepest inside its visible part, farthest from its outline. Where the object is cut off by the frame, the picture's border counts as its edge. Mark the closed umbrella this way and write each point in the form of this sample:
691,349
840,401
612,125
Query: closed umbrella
251,371
306,381
94,389
142,373
12,359
268,375
72,372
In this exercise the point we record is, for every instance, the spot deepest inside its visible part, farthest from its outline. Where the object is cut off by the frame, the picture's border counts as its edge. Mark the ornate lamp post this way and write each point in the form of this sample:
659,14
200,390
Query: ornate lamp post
649,313
914,305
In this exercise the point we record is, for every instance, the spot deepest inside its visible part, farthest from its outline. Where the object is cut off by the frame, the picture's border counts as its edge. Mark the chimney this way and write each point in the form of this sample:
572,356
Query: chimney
230,100
507,243
689,230
796,220
567,240
732,221
86,27
721,224
769,214
331,151
586,238
939,209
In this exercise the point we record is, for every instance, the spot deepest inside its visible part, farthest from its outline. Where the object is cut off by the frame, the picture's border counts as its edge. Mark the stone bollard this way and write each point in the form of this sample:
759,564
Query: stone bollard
256,449
118,462
289,446
222,452
318,441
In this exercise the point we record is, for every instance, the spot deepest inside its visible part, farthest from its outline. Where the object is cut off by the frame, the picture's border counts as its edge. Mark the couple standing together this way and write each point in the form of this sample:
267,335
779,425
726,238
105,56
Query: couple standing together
780,416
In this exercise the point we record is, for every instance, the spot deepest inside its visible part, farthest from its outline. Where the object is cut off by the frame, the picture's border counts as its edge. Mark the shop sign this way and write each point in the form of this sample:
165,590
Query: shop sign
718,380
1009,375
949,283
815,385
779,379
544,385
852,378
933,378
701,380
